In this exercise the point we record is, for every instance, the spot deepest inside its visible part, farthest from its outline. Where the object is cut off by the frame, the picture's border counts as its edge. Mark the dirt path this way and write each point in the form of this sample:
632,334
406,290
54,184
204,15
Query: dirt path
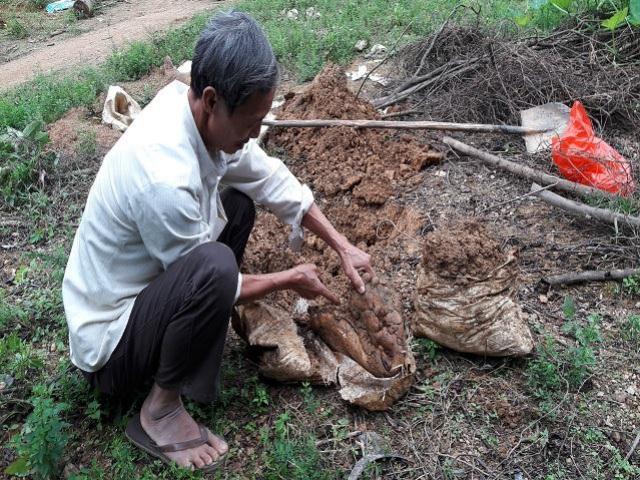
121,24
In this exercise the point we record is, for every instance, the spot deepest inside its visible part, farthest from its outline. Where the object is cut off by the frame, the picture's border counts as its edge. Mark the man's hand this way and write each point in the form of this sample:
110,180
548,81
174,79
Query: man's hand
303,279
306,282
354,259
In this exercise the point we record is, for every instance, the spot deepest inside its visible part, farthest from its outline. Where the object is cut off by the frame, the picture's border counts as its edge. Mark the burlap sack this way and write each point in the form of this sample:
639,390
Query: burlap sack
478,315
290,351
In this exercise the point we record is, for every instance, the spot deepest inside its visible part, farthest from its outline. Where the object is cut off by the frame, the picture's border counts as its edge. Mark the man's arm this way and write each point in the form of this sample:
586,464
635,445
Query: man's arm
303,279
352,257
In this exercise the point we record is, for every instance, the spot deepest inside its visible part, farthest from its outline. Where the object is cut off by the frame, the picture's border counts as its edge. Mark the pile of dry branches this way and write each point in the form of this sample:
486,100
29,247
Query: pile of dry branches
470,74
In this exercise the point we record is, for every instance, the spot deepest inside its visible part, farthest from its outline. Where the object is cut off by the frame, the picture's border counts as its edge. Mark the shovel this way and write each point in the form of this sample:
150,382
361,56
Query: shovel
539,125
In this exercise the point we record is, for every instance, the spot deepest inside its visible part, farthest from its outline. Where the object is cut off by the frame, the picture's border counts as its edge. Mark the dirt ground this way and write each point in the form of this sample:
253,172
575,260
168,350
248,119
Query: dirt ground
115,24
466,416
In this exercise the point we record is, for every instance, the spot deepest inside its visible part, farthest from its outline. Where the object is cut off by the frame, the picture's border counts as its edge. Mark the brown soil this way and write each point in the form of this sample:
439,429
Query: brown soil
67,135
464,248
369,163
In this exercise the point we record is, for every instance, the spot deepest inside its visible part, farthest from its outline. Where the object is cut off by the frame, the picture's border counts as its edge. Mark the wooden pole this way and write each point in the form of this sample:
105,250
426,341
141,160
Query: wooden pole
404,125
526,172
581,210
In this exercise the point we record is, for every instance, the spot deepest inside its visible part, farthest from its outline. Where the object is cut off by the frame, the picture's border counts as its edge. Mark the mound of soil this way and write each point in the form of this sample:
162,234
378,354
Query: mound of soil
77,139
365,162
465,248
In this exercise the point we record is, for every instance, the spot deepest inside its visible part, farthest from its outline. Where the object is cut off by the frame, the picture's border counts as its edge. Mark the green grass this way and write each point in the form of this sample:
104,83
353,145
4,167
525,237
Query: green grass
305,44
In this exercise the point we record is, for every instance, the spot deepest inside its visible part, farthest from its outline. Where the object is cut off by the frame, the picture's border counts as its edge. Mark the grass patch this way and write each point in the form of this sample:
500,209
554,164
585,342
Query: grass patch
557,367
48,97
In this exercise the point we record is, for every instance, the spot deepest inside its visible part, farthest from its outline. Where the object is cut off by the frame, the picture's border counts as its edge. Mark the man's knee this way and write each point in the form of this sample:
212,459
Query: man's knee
215,266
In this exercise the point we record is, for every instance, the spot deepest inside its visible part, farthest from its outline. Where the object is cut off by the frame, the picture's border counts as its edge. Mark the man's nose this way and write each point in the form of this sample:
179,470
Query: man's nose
256,131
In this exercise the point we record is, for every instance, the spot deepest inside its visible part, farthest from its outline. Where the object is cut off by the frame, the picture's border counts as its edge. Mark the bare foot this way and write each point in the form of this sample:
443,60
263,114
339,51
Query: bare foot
165,420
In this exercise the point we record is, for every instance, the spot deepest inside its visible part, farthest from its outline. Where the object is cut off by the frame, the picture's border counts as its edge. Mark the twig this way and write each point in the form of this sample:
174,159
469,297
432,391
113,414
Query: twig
387,57
526,172
398,114
591,276
519,197
361,464
395,98
581,210
633,446
435,38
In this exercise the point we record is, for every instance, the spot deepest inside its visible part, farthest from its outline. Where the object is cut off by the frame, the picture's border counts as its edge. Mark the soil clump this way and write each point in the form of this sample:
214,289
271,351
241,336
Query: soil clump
464,248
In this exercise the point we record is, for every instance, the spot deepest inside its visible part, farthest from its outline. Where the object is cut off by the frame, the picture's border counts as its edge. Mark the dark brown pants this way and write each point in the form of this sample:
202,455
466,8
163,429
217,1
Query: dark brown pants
178,325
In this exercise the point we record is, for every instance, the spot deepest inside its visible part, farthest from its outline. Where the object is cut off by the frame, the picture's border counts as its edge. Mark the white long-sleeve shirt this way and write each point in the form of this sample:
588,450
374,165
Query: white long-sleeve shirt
154,199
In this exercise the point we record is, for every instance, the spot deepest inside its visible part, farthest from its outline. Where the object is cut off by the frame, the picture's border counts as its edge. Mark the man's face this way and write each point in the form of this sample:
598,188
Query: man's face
230,132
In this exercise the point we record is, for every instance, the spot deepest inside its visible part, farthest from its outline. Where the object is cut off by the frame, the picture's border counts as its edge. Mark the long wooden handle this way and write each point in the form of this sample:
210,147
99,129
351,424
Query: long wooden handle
418,125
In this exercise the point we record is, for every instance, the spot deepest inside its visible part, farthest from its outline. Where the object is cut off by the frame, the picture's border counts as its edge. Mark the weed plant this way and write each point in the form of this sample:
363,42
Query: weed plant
556,367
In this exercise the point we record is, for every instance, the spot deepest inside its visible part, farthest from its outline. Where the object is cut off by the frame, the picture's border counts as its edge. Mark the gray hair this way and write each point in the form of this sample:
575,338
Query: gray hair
233,56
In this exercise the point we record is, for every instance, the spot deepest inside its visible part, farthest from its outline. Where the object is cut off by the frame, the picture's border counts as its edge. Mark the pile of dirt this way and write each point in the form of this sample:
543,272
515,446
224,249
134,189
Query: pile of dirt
476,74
365,162
80,139
463,248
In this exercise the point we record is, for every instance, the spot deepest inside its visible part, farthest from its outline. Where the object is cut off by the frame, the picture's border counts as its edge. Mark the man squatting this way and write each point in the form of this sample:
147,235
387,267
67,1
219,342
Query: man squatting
153,272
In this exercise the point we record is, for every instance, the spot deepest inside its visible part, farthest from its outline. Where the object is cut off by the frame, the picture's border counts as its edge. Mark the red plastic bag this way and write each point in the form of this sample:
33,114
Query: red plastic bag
584,158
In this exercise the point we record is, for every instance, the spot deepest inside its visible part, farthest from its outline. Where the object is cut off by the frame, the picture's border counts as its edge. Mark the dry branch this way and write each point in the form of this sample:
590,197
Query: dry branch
581,210
507,75
591,276
523,171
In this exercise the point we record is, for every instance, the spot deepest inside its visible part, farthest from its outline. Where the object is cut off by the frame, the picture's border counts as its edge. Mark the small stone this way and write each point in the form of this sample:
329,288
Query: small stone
293,14
311,12
543,299
70,470
377,50
615,436
631,390
620,397
361,45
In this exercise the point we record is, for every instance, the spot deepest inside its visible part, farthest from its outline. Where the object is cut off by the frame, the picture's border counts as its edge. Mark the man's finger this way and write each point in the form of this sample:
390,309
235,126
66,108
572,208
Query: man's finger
325,292
357,281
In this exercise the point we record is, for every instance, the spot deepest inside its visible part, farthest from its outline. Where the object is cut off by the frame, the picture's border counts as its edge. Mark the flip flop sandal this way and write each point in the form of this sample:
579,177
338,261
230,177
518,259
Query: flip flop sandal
136,435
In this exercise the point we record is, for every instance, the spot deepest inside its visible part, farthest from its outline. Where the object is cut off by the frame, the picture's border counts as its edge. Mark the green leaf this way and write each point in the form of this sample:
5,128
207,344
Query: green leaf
562,4
523,20
616,19
537,4
18,467
634,9
569,308
33,128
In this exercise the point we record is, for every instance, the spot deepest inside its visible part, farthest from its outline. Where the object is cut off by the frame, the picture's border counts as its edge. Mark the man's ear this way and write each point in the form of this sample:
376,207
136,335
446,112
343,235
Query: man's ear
210,99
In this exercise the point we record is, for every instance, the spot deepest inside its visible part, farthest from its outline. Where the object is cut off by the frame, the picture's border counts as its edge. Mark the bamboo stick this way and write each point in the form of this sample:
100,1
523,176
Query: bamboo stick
405,125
